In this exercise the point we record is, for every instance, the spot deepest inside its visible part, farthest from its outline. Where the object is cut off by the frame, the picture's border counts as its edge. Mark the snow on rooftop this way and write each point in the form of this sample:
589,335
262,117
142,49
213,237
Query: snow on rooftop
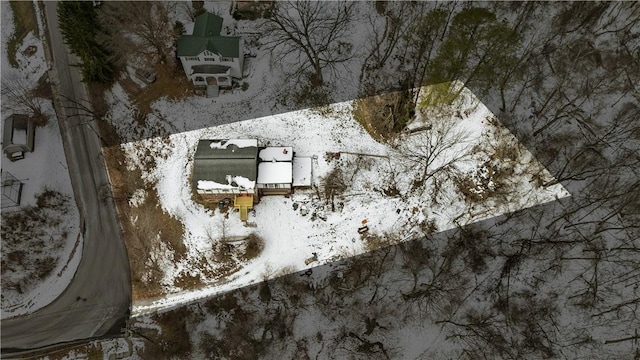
274,173
241,143
301,171
276,153
239,181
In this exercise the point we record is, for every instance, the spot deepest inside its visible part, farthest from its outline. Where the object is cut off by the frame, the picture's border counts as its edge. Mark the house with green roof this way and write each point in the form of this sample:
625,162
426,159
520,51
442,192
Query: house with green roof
226,169
209,59
240,170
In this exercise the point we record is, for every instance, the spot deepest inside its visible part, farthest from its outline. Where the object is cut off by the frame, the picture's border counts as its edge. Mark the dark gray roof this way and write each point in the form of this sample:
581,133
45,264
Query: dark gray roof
210,69
215,164
205,151
18,122
190,45
218,169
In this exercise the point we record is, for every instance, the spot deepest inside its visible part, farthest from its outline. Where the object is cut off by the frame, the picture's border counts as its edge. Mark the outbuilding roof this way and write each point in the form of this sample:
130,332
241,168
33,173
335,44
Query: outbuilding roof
18,134
301,171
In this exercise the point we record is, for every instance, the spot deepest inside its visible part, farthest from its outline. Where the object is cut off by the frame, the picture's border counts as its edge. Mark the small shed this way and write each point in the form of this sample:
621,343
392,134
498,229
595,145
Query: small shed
18,136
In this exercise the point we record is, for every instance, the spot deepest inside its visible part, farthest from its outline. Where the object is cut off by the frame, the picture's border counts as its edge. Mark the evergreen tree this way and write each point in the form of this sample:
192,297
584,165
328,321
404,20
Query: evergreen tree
79,27
477,47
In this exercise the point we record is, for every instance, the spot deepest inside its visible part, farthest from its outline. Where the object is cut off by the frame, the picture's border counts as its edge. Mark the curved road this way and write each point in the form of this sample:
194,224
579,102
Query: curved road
98,300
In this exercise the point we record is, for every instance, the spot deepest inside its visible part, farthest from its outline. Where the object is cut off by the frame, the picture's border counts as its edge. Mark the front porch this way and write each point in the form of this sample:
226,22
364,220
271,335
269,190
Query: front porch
211,75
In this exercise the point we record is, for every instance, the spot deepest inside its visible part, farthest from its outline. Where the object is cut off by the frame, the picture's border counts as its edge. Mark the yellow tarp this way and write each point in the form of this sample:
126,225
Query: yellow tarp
244,203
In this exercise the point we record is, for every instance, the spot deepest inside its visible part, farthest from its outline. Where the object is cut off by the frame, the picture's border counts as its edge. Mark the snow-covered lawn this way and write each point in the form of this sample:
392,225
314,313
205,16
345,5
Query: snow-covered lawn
382,190
45,235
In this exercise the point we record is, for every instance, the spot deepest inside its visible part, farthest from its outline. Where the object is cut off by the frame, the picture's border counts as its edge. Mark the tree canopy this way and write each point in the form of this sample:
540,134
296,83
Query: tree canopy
476,46
79,27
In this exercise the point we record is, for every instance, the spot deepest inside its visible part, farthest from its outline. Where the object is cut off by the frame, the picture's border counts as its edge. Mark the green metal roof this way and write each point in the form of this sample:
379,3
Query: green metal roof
207,25
214,164
218,169
189,45
206,36
205,150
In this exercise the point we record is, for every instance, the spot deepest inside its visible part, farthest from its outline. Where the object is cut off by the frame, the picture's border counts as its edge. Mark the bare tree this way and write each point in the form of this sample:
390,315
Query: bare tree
437,148
192,9
20,98
423,39
477,47
313,33
384,40
142,27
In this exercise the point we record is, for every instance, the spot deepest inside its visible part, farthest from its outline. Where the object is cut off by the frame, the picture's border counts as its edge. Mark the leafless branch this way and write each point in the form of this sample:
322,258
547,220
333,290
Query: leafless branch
311,35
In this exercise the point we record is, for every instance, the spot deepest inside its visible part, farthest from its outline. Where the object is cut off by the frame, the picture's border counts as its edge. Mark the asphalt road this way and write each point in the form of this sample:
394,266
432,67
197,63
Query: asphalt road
98,300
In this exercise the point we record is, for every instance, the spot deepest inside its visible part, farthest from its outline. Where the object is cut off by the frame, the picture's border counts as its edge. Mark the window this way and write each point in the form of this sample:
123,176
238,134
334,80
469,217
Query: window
209,59
192,58
226,59
199,79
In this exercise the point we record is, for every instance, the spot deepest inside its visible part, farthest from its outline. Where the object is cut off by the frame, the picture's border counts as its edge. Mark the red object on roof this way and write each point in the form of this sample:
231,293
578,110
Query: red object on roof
284,150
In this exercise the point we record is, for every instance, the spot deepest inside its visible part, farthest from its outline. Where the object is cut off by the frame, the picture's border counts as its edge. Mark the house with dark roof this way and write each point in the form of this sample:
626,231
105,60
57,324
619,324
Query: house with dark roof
18,136
226,169
210,59
238,169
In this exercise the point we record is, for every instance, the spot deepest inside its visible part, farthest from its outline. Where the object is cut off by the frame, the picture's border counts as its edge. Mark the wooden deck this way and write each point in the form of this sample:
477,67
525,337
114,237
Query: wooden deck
244,203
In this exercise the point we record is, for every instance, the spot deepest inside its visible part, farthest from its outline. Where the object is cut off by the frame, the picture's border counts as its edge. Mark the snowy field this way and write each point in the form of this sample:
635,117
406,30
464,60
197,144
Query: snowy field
381,191
56,238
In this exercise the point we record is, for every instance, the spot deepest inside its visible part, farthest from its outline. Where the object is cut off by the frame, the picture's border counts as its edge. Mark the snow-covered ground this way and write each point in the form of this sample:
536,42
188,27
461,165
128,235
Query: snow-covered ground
43,169
485,173
293,241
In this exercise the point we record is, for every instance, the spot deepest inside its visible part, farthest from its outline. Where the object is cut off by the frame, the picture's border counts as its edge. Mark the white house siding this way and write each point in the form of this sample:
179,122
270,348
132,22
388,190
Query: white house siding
188,62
